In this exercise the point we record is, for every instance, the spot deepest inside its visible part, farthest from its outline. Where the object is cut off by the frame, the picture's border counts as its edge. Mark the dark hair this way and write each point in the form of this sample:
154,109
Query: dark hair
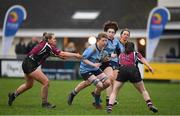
129,47
110,24
45,33
101,35
126,29
48,36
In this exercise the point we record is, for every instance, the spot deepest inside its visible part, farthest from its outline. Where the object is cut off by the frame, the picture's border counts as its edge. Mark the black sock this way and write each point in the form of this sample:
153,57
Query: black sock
44,100
107,100
149,103
74,92
16,94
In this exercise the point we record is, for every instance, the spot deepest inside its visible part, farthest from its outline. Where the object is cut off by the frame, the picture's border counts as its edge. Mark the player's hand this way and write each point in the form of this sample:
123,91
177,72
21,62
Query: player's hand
106,59
97,65
78,56
151,70
113,55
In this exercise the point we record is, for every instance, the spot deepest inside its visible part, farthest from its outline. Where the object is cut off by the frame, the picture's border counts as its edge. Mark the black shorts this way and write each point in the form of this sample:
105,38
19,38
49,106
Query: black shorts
129,73
29,65
85,76
114,65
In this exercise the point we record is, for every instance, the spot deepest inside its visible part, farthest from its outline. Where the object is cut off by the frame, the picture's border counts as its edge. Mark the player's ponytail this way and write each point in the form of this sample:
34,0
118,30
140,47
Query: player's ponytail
47,36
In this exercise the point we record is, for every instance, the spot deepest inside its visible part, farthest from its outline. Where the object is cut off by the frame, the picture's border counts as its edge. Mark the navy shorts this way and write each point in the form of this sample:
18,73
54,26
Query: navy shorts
129,73
114,65
29,65
86,75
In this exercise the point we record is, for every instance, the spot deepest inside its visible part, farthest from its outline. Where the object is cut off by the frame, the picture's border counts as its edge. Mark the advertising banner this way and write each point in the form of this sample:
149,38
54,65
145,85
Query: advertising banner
13,19
157,21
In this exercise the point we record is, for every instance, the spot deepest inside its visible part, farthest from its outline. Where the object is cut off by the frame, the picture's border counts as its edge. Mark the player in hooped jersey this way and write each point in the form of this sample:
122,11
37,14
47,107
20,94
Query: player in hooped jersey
32,71
130,71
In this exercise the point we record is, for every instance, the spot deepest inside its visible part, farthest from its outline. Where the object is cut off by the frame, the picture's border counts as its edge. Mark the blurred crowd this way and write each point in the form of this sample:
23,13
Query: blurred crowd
21,48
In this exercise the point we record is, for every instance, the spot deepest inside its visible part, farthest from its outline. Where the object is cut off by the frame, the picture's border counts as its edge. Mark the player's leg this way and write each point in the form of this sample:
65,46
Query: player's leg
141,88
22,88
43,79
118,83
115,76
97,92
104,79
116,87
77,89
109,72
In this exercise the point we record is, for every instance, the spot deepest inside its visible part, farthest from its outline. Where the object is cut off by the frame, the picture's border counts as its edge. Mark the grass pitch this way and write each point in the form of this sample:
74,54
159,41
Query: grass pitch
165,96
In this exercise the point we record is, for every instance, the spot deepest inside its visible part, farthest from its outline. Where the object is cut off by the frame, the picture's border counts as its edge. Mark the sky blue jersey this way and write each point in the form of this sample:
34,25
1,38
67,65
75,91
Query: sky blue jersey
120,45
93,54
111,47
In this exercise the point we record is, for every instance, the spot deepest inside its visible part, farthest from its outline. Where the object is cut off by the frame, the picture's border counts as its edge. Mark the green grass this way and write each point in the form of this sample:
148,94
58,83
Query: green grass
166,96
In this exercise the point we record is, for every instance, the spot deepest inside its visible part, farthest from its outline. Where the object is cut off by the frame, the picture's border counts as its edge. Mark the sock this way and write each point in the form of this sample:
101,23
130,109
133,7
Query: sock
97,99
74,92
149,103
16,94
107,100
109,106
44,100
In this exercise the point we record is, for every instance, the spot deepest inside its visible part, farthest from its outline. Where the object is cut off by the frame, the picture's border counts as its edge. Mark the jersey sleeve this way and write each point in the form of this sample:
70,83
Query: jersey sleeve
55,51
139,55
88,52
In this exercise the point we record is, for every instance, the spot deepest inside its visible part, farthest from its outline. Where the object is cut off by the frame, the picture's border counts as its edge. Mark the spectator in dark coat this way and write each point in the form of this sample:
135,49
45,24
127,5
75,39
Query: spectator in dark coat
32,44
20,49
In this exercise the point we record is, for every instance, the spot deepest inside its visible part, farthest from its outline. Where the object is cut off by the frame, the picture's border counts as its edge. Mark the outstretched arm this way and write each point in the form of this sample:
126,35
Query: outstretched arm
66,55
144,61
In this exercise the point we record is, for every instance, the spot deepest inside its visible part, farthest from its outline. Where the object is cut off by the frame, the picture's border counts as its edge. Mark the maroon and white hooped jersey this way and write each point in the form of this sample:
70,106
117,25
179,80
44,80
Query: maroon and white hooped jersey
42,51
128,59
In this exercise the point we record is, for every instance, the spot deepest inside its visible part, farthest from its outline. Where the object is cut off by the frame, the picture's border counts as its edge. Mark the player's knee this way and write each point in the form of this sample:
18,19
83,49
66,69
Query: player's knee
107,83
111,76
98,83
46,83
30,85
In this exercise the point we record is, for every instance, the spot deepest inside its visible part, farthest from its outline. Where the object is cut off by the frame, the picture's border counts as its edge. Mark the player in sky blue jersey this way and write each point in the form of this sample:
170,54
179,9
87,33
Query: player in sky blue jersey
110,65
90,69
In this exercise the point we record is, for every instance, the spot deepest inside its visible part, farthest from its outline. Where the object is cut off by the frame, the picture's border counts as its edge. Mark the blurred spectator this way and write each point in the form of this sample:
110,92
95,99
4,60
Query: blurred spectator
32,44
20,49
70,47
172,53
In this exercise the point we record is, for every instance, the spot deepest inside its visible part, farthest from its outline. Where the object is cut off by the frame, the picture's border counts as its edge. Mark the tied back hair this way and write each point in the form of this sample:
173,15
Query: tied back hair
126,29
129,47
47,36
110,24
